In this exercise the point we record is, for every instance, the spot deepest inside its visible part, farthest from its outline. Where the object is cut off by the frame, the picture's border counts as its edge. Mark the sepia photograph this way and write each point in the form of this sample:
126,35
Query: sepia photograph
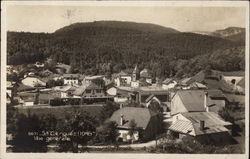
125,78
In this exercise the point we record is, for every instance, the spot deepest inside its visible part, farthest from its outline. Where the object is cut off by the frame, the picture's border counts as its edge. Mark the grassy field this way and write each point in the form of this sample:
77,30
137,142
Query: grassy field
61,111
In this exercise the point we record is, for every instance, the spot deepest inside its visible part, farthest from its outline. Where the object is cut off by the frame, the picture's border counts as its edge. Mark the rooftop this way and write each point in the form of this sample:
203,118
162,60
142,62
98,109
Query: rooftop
213,123
141,116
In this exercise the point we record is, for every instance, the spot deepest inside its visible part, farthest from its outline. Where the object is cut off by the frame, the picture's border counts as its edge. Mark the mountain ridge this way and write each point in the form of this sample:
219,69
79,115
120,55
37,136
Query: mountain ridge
90,49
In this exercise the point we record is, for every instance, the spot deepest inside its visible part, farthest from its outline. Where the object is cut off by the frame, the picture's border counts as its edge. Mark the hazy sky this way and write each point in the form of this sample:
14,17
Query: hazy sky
51,18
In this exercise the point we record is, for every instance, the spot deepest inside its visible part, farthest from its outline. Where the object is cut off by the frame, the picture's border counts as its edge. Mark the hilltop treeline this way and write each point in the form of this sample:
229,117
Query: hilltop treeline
100,47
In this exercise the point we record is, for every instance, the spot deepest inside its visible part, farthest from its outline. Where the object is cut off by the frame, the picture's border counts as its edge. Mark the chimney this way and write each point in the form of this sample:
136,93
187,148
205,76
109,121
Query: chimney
121,122
205,101
202,124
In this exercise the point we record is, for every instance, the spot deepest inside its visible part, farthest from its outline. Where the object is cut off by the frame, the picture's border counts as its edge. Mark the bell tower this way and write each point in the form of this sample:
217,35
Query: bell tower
135,74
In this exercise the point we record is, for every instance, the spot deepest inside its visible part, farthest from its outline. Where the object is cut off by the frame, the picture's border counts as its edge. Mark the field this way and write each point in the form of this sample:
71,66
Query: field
61,111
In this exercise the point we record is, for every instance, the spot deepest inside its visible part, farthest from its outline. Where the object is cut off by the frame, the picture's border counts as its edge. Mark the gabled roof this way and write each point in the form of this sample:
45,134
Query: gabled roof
145,73
71,75
215,93
167,80
93,86
187,81
122,73
23,87
181,126
136,70
149,98
193,100
213,122
142,116
242,83
80,90
198,85
64,88
200,76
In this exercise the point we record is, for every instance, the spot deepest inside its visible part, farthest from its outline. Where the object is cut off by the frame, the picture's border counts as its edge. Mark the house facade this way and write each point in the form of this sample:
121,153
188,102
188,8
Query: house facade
70,79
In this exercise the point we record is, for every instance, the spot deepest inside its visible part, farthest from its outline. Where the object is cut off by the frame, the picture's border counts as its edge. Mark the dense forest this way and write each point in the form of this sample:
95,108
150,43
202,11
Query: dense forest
108,46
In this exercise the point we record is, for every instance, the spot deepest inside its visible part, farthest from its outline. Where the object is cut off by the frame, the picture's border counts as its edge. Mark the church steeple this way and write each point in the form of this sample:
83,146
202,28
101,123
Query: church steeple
135,74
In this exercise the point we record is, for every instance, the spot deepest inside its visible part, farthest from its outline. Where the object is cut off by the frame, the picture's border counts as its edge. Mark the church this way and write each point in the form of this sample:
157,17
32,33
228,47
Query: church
135,80
140,79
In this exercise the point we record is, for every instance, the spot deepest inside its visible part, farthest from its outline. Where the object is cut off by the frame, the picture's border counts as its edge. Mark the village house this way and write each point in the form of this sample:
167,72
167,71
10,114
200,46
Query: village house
147,123
33,82
204,127
89,79
145,95
197,85
122,79
10,88
152,98
64,91
135,83
197,101
70,79
234,79
169,83
92,93
46,73
146,76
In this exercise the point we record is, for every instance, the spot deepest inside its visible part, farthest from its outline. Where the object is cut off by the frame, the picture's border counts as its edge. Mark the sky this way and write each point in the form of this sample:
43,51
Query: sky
186,19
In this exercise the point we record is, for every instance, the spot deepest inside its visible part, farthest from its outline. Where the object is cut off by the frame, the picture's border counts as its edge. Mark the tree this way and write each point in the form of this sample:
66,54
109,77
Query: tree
108,109
79,128
155,106
107,133
132,126
22,140
100,82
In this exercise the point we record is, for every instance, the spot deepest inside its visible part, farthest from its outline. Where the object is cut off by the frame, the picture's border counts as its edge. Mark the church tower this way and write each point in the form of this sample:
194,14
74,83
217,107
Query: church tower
135,74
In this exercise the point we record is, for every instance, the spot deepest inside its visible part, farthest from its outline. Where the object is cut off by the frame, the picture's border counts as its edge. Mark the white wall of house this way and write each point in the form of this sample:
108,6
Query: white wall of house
177,106
135,84
124,134
9,92
64,94
120,99
70,81
127,80
229,79
28,104
112,91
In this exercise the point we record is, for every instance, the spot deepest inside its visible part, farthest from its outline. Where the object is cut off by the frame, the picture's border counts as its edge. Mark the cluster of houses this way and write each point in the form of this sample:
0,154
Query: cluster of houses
189,107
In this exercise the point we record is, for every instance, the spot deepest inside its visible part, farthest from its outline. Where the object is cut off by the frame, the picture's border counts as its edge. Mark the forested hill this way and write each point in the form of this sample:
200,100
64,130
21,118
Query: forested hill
109,46
106,27
235,34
